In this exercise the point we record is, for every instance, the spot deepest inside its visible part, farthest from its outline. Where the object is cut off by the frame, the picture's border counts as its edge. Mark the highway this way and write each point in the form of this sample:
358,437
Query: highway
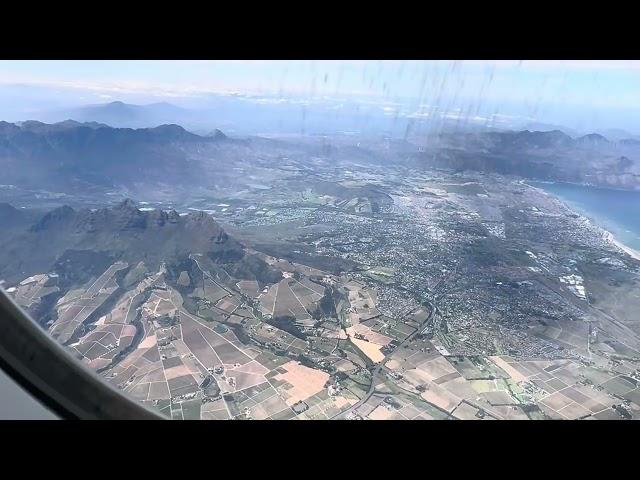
379,367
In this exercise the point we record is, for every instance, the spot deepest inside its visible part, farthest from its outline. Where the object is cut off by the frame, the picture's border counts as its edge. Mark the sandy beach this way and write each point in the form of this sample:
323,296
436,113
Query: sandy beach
607,234
634,253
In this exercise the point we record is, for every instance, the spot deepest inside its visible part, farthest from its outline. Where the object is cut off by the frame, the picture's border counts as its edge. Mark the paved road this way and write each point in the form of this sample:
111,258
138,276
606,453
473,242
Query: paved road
379,366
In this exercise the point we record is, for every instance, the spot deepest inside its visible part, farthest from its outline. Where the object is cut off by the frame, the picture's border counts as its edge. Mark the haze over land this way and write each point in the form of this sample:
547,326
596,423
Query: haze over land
271,96
256,258
71,156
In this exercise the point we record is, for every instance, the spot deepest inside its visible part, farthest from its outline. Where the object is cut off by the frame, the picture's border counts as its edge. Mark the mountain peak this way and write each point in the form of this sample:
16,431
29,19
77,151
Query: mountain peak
218,135
64,211
172,132
58,215
592,138
69,123
169,128
127,204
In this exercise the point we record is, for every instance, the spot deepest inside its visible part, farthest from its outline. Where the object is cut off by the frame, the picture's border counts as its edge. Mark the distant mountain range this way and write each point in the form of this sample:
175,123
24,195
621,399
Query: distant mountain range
247,115
72,157
124,115
241,115
552,155
546,127
70,154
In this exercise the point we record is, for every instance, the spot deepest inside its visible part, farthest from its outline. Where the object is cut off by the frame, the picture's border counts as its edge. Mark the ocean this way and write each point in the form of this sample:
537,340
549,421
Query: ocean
617,211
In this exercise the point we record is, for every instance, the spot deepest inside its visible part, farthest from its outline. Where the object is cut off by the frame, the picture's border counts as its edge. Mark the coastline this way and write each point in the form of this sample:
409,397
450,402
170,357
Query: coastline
579,184
609,237
630,251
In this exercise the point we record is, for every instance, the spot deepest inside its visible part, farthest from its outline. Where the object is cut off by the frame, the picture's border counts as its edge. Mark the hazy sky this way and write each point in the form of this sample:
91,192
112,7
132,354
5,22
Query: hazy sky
579,94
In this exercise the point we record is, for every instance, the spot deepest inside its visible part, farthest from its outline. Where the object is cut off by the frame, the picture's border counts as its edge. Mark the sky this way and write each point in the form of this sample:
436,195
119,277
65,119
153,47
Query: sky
578,94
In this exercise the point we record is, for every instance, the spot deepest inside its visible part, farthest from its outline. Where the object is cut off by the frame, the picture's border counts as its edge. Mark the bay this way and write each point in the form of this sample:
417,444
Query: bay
617,211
